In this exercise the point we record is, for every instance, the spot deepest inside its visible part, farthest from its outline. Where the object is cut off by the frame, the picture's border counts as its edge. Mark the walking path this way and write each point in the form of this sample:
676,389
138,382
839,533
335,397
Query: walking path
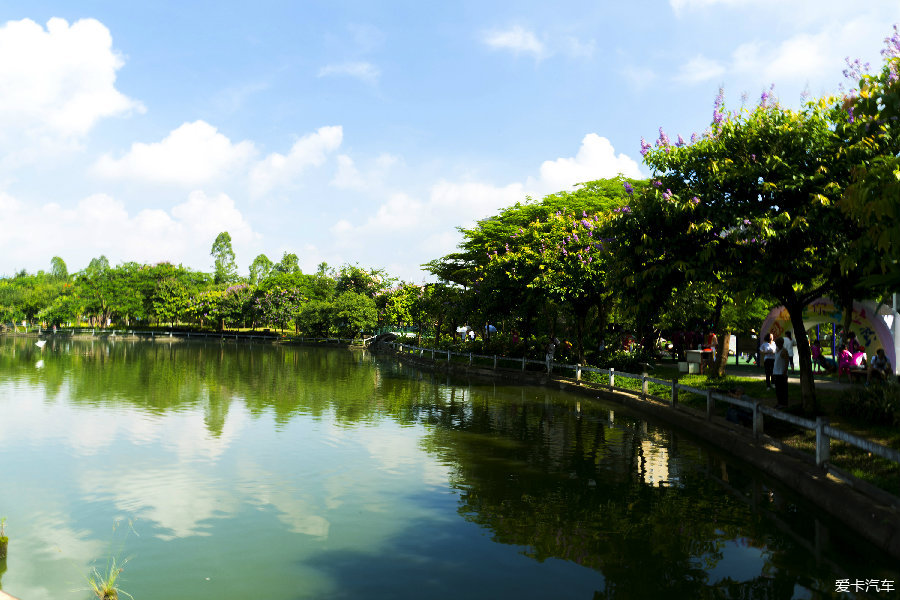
822,381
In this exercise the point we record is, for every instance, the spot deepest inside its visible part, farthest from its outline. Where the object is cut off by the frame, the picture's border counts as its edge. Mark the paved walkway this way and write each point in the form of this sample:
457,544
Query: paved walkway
823,381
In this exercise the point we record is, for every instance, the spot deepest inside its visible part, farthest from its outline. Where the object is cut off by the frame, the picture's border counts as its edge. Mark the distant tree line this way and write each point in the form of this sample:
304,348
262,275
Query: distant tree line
770,206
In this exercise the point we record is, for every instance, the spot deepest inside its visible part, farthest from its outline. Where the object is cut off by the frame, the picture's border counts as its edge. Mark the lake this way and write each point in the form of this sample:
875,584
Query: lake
232,470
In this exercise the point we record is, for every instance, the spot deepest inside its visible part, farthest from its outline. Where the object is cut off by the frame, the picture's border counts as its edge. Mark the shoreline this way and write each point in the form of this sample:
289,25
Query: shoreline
873,520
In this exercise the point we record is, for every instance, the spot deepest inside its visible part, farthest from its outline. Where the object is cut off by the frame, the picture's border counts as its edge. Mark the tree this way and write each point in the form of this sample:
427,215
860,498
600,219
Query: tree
224,268
354,313
260,268
868,123
58,270
354,278
752,206
288,265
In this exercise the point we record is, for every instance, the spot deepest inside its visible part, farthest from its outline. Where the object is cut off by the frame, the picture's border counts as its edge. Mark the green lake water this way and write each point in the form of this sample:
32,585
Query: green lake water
242,471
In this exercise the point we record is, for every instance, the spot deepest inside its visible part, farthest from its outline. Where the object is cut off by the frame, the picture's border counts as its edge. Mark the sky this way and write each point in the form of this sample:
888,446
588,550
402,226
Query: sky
363,132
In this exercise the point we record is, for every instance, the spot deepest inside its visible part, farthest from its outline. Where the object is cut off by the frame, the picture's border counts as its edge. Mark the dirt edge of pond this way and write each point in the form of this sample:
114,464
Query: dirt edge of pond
873,520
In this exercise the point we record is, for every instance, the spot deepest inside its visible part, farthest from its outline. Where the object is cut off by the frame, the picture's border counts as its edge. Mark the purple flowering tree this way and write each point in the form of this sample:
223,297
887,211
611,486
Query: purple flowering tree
868,122
751,207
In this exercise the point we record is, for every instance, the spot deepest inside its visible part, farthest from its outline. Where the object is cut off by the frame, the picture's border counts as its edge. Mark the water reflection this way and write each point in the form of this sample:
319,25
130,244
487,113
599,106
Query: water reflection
363,478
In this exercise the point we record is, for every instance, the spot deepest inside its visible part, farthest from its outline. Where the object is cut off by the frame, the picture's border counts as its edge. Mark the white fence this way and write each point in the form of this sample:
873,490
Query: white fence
824,431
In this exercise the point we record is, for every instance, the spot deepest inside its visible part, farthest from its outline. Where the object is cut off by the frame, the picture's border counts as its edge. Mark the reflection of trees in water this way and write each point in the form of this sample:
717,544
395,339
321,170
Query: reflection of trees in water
159,377
568,484
528,465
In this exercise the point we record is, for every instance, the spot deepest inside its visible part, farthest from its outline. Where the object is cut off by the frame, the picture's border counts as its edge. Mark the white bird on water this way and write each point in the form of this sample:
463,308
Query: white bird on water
40,344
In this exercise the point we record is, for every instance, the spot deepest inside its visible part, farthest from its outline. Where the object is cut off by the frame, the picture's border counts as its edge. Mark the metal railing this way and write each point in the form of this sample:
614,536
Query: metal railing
824,432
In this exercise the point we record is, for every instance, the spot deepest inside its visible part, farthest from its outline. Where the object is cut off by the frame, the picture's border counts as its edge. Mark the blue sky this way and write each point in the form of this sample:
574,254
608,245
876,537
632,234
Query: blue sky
362,132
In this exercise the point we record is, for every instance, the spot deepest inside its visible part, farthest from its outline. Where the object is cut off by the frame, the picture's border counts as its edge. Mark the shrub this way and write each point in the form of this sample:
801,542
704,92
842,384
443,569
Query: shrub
876,405
620,360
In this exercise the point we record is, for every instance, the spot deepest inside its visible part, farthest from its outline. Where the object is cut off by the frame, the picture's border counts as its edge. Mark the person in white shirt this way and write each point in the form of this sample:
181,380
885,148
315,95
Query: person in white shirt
779,374
789,346
767,356
880,366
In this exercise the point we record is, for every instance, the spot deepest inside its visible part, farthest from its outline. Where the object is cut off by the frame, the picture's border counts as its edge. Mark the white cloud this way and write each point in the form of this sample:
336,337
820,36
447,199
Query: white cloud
596,159
363,71
194,154
309,151
56,83
427,222
516,39
809,52
101,224
700,69
347,175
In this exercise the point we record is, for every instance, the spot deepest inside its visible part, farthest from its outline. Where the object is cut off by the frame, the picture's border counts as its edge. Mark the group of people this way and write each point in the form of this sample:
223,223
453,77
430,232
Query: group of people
778,358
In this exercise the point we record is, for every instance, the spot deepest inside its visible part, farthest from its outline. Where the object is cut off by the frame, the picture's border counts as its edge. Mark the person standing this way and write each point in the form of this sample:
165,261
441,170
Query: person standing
789,347
852,343
779,374
767,353
712,342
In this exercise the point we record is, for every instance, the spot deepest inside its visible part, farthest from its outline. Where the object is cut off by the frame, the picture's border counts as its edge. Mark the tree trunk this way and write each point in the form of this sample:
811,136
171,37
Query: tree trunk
718,369
801,346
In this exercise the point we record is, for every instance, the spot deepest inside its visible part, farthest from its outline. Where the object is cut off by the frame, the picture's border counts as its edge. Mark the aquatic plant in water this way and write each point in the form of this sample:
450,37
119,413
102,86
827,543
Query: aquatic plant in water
103,584
4,541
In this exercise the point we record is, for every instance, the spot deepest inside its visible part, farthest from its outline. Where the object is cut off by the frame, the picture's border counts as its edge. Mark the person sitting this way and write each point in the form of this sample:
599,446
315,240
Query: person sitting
859,359
827,364
880,366
854,365
844,361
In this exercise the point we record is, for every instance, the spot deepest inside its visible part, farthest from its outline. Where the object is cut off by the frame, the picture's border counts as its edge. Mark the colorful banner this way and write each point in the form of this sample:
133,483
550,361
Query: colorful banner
871,330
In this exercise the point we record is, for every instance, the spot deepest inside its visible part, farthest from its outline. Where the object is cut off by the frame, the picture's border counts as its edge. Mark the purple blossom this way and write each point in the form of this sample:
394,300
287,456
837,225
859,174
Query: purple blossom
680,141
694,137
657,182
628,189
663,140
892,44
767,98
695,200
855,68
645,147
746,221
667,195
718,107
